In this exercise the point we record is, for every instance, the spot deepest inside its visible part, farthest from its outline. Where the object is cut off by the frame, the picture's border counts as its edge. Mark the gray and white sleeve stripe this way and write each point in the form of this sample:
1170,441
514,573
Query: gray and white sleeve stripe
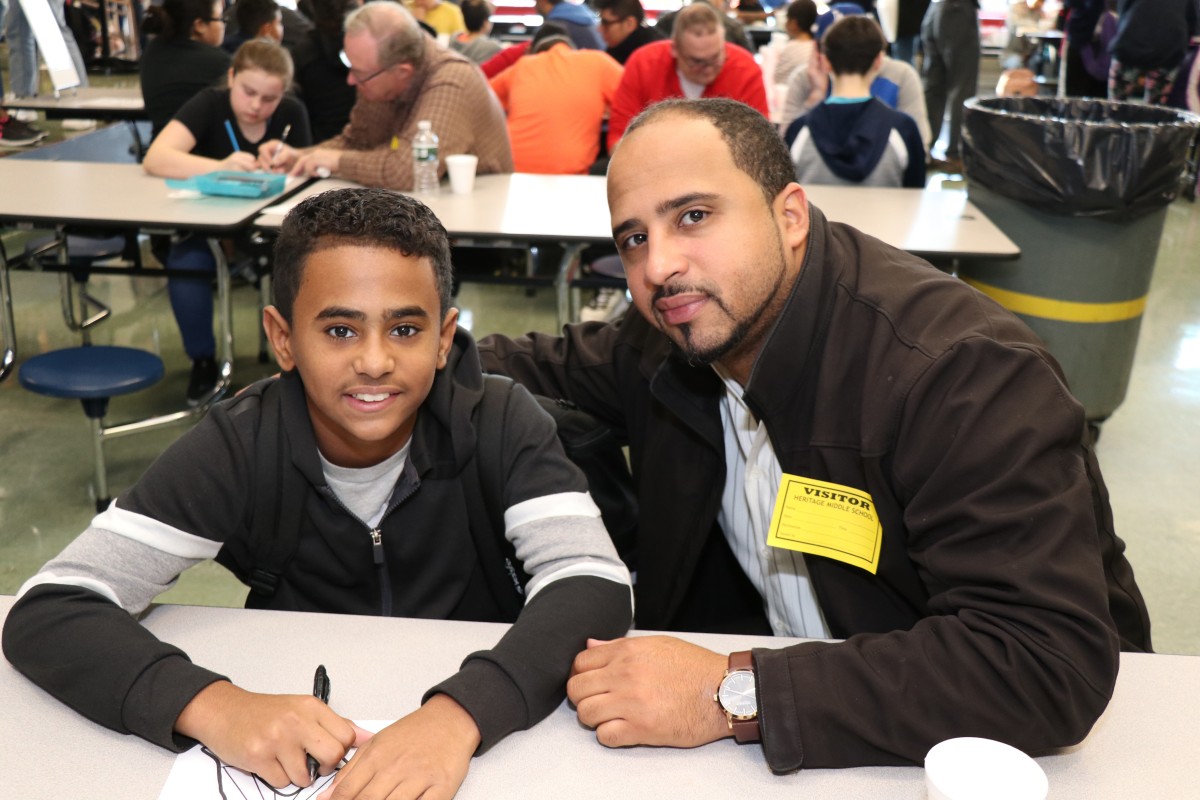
561,536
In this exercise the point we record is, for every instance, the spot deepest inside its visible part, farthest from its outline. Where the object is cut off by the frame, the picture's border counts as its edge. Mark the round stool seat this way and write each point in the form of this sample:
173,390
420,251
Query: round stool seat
92,372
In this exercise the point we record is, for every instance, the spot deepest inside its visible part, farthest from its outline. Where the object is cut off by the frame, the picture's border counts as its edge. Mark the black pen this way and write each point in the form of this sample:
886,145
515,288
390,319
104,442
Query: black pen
321,692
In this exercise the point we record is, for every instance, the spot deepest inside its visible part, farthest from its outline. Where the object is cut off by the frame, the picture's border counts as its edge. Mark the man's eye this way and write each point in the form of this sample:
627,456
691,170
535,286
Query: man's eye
632,241
693,216
340,332
406,330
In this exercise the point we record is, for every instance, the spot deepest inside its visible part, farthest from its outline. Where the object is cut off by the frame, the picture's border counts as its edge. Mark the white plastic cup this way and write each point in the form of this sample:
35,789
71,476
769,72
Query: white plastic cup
462,172
969,768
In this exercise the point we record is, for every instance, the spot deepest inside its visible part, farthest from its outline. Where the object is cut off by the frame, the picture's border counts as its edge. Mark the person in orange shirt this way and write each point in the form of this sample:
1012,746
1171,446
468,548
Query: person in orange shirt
556,99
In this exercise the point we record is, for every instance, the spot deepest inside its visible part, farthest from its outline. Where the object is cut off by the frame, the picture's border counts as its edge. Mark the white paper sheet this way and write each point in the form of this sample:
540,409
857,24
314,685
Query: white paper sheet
197,775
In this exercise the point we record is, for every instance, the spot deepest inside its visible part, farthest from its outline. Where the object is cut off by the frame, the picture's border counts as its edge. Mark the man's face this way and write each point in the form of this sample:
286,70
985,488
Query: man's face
614,29
373,81
367,338
708,260
700,55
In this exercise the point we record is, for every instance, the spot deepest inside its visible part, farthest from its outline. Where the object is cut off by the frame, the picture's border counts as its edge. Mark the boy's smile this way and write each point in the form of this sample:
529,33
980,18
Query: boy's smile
367,338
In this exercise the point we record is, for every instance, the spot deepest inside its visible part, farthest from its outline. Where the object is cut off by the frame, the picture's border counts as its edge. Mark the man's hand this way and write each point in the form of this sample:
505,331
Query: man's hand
655,690
268,734
319,163
425,754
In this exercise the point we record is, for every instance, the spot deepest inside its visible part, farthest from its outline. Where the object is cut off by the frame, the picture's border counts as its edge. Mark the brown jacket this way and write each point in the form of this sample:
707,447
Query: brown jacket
1000,576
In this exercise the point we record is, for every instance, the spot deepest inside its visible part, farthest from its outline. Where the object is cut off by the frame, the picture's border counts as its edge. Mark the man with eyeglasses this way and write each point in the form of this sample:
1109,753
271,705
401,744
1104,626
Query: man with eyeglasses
696,62
402,76
623,27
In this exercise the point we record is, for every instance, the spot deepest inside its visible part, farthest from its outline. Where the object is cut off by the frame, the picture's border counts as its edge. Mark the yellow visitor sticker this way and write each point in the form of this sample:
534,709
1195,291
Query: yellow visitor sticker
826,519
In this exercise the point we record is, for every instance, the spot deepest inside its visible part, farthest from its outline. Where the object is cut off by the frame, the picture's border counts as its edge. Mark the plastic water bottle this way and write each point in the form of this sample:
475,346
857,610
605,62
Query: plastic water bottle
425,159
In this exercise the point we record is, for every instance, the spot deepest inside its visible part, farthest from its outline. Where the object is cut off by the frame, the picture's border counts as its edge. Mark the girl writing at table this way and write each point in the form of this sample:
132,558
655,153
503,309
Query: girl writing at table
222,129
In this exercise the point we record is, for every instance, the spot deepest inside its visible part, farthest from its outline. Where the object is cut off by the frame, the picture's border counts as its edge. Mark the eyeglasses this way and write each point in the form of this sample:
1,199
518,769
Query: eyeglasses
357,79
214,19
699,64
604,23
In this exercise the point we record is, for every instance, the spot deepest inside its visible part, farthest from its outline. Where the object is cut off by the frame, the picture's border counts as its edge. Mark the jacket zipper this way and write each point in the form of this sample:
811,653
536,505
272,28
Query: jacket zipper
385,583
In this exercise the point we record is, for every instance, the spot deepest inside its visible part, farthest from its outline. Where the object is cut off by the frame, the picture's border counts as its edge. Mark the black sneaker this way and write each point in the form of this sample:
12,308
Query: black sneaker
204,378
14,133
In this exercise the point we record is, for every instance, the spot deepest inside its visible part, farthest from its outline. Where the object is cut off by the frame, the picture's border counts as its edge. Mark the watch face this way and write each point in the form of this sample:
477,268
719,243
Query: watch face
737,695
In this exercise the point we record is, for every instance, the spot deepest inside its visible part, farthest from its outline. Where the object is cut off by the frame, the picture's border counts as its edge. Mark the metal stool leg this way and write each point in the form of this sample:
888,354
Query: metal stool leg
97,427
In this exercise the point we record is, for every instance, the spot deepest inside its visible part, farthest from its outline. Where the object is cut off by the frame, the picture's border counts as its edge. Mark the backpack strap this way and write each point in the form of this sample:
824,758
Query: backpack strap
278,503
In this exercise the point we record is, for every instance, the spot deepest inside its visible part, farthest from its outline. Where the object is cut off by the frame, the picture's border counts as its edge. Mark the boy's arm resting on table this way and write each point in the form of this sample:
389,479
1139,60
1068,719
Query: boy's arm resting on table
578,588
69,636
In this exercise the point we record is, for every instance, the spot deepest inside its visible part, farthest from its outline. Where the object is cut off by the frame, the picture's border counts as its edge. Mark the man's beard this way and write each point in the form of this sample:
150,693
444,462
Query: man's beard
698,355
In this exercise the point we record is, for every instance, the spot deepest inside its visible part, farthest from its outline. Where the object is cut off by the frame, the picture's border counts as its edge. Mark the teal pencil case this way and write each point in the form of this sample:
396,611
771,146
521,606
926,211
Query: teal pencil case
232,184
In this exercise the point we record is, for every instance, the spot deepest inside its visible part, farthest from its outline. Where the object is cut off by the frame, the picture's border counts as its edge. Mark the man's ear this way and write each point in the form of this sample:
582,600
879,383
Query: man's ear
446,336
279,334
792,207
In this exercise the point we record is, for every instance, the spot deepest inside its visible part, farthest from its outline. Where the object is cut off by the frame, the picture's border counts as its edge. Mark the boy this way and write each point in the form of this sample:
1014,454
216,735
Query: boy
853,138
380,431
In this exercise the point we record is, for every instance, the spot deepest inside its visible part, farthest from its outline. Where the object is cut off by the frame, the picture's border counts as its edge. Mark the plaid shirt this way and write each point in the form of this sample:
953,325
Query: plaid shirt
449,91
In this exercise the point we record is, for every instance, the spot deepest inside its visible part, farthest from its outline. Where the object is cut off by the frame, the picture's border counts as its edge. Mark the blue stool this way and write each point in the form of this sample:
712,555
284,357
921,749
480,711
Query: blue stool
92,374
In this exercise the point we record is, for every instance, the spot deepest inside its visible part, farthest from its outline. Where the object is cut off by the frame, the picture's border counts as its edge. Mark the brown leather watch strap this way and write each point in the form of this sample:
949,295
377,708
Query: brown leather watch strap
744,730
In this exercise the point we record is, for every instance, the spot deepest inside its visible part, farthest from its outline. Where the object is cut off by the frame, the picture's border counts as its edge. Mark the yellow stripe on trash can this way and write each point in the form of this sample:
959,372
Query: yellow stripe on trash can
1061,310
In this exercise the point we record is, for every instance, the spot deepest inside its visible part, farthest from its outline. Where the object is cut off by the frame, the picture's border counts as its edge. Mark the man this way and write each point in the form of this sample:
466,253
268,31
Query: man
950,70
623,27
579,22
735,32
851,138
403,77
911,445
695,62
556,98
475,43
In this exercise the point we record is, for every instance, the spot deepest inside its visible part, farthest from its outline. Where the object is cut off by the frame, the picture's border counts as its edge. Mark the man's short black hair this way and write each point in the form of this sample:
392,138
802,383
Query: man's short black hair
803,13
754,143
476,13
852,44
358,218
253,14
622,9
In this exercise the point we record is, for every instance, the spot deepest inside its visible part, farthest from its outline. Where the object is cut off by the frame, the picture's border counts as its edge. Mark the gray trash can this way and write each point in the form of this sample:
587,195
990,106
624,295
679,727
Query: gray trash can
1082,186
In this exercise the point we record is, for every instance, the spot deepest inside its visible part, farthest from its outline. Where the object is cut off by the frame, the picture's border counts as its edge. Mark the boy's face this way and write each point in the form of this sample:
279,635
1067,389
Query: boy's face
366,338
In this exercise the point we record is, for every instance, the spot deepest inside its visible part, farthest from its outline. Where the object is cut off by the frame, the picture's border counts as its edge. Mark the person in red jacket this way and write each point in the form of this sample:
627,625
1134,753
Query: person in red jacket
695,62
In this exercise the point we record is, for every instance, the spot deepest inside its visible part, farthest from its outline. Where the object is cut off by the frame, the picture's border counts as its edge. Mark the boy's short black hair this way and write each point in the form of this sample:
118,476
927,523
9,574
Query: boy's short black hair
476,13
253,14
803,13
358,218
852,44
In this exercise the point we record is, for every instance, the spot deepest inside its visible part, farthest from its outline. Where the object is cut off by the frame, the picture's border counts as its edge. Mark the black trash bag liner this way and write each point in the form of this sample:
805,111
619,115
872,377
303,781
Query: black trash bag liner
1076,156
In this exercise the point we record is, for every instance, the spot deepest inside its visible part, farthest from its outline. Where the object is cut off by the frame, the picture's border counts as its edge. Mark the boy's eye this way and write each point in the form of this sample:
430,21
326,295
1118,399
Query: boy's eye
340,331
406,329
693,216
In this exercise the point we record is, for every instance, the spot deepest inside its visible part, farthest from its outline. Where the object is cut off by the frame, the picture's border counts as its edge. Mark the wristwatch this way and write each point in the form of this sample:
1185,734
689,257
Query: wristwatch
738,697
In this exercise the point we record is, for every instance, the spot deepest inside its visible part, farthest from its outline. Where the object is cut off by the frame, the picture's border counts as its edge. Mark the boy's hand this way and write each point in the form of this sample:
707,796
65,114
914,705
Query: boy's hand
655,690
268,734
425,754
241,161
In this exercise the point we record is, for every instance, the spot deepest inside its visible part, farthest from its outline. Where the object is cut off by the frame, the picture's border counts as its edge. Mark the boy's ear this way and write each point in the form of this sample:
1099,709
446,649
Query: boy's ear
279,334
446,336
